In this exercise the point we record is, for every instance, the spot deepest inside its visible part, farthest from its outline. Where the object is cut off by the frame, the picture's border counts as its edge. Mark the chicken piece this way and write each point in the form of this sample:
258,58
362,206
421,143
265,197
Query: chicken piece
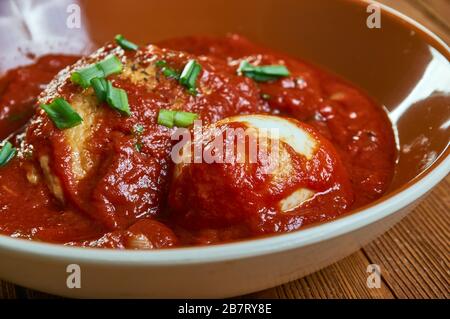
107,167
296,172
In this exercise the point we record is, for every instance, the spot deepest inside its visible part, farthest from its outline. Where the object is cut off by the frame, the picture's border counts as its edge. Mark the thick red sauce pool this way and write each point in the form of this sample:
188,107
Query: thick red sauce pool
357,127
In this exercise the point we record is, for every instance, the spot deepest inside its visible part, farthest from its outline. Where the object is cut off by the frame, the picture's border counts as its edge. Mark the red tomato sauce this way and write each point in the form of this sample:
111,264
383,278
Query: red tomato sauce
20,87
357,127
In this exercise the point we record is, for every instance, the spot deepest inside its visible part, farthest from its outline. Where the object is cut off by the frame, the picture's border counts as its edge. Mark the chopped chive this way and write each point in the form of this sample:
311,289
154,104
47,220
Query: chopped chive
110,65
138,129
62,114
138,146
166,118
275,70
188,68
168,72
170,118
244,66
117,99
262,73
161,63
189,75
125,44
84,76
261,77
171,73
99,85
184,119
7,153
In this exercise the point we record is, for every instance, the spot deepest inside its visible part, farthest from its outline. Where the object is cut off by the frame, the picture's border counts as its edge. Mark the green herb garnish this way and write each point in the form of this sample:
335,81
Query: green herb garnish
167,71
110,65
62,114
189,75
117,99
262,73
125,44
7,153
171,118
100,85
138,129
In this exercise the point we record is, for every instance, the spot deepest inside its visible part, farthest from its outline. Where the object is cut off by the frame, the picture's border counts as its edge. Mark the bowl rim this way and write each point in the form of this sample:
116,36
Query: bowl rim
253,247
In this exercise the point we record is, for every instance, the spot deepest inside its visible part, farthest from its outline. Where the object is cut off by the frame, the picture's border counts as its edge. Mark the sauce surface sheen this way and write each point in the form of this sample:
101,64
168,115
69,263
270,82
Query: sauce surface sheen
132,200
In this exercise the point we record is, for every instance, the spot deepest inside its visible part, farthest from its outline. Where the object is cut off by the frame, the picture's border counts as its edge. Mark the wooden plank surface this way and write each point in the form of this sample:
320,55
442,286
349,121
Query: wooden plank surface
414,255
344,279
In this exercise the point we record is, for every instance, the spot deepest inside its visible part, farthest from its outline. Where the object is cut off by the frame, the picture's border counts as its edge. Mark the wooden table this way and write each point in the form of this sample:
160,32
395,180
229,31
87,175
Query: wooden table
414,255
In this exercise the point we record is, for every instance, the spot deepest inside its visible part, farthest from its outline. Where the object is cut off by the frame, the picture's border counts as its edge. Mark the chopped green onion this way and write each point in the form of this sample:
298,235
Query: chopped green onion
110,65
99,85
161,63
7,153
138,146
168,72
171,73
189,75
117,99
166,118
84,76
138,129
261,77
62,114
170,118
125,44
275,70
184,119
262,73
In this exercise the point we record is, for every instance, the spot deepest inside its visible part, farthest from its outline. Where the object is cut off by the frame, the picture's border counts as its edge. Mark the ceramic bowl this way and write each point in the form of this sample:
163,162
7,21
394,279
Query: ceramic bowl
401,65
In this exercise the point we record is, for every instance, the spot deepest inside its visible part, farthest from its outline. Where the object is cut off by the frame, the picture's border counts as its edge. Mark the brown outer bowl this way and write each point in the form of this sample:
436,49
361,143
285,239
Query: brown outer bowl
403,66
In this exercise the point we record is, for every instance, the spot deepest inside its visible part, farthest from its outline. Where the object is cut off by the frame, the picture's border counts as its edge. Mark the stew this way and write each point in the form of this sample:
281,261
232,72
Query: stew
91,142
